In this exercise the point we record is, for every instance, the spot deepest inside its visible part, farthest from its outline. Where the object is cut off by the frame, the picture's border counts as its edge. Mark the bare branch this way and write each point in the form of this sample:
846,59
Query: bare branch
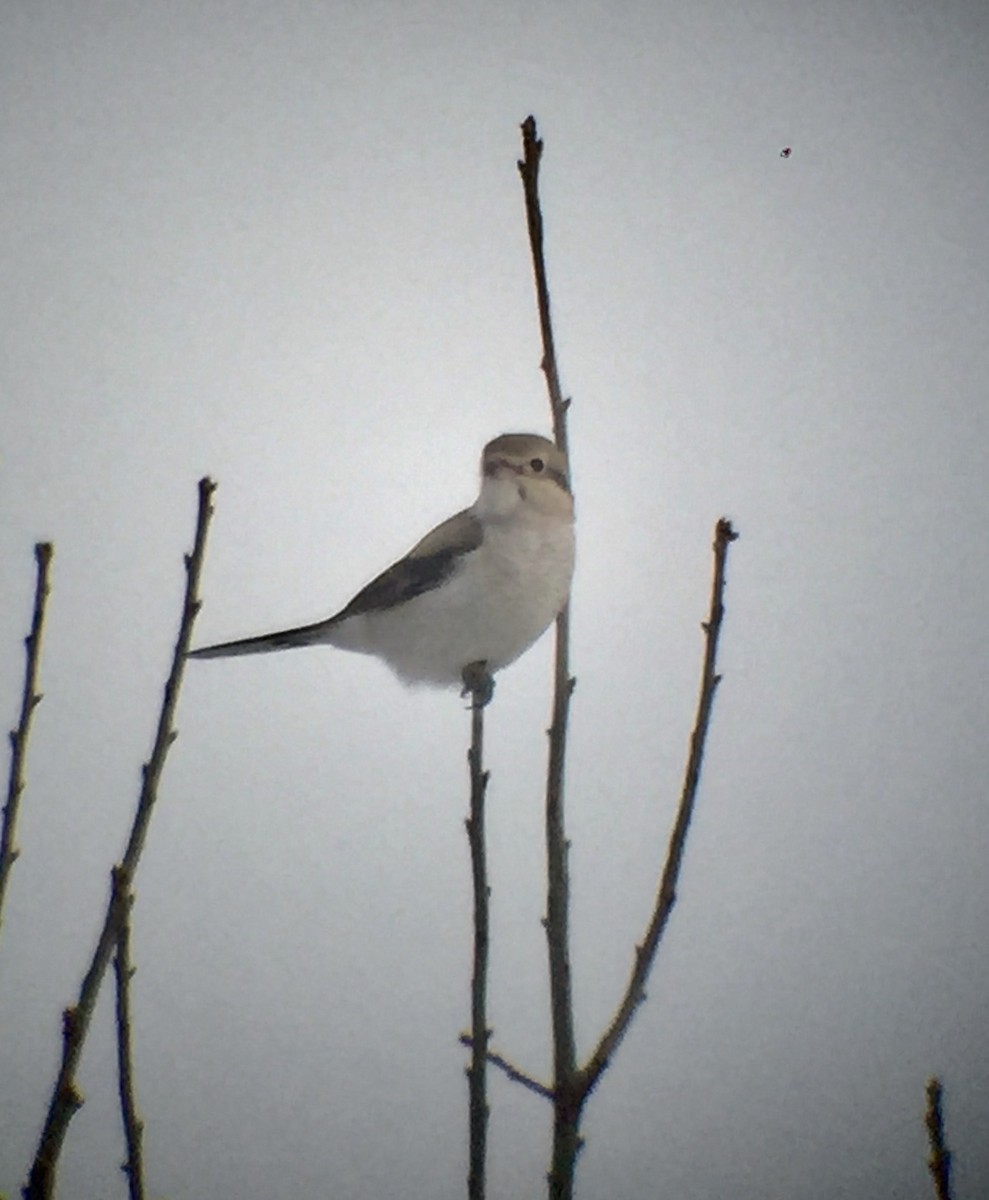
513,1072
566,1138
532,153
571,1085
939,1159
477,1071
645,954
66,1098
30,699
133,1168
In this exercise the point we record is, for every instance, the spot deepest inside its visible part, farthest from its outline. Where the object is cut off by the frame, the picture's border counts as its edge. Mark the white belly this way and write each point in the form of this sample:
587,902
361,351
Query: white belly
502,598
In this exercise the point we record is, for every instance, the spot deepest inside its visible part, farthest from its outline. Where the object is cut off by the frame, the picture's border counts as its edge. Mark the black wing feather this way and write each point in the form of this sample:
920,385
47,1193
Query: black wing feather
425,567
420,571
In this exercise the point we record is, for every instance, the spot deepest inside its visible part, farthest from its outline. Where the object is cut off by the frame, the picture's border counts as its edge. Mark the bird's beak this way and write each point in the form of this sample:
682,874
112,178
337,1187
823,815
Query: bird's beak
494,467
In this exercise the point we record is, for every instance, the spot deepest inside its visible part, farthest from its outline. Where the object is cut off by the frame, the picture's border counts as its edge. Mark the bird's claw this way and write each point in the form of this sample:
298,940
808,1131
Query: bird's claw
478,684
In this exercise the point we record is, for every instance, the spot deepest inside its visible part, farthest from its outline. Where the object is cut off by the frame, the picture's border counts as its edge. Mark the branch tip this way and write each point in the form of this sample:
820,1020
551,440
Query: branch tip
939,1158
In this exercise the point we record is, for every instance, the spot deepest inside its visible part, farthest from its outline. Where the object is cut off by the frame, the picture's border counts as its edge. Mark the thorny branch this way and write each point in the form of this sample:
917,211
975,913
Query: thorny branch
30,699
66,1098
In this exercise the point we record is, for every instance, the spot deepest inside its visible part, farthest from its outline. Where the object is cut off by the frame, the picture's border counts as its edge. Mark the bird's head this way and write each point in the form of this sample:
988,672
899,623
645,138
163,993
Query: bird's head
524,468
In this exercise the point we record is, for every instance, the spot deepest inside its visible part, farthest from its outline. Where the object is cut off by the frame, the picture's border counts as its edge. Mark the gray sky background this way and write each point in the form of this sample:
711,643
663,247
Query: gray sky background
285,246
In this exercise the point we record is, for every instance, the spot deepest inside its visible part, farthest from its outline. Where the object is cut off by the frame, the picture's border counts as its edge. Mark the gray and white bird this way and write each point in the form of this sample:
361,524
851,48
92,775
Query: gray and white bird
475,593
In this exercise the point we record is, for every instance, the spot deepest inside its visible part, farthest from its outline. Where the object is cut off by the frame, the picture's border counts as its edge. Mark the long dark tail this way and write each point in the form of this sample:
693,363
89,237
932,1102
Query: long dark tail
284,639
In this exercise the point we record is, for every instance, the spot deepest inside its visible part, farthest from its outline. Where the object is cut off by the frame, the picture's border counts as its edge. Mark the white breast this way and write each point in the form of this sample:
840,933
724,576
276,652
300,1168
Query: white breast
502,597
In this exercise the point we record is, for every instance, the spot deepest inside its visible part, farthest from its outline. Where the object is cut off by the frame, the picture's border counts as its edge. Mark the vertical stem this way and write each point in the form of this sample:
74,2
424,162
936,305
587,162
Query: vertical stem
566,1107
133,1167
30,699
566,1115
477,1071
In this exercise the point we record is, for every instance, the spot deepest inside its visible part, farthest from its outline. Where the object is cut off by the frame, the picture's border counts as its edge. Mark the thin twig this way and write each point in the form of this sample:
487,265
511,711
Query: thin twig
514,1073
939,1159
477,1071
557,864
30,699
66,1098
532,152
645,953
133,1167
566,1137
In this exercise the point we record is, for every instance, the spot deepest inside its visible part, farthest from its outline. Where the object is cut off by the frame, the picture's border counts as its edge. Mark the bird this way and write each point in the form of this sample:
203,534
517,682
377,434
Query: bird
474,594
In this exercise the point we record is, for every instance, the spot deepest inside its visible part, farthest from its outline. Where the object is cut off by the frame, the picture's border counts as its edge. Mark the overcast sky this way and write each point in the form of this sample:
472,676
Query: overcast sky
284,245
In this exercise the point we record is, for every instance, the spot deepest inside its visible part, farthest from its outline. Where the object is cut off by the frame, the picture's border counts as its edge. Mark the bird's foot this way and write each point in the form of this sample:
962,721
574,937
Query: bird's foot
478,684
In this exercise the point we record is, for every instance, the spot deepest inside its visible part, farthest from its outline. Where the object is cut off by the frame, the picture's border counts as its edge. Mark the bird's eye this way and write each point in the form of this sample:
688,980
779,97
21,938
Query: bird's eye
537,464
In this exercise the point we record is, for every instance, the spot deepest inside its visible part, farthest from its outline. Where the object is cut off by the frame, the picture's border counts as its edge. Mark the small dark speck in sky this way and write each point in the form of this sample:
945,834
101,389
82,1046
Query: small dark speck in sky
786,152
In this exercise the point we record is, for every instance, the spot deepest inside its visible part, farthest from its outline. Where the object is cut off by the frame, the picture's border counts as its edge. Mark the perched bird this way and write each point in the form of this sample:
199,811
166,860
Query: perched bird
475,593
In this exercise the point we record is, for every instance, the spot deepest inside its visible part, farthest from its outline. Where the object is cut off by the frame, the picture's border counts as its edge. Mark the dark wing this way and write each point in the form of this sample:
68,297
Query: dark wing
425,567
